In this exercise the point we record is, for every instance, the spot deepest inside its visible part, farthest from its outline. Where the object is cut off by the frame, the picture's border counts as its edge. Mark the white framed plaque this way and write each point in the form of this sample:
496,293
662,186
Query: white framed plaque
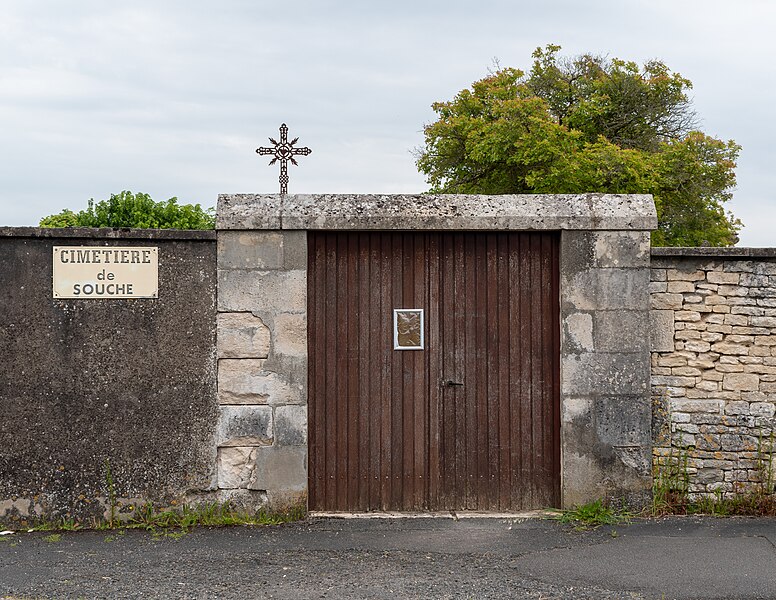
101,272
408,329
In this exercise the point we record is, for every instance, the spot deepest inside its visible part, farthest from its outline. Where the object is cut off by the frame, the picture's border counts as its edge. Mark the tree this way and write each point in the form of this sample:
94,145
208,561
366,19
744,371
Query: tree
587,124
134,210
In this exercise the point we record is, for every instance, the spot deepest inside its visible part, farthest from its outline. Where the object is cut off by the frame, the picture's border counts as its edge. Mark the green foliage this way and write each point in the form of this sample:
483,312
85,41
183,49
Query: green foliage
135,210
587,125
593,514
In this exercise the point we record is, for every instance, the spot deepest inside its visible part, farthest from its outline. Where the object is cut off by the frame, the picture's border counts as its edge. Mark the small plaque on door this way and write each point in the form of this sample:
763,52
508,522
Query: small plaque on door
408,329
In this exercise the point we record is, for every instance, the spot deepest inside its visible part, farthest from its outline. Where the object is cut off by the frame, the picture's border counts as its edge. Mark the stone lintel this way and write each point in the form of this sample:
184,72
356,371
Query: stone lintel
437,212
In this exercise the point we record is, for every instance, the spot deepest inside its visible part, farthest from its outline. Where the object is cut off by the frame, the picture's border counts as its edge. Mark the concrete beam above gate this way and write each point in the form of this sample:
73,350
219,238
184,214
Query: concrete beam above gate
438,212
605,406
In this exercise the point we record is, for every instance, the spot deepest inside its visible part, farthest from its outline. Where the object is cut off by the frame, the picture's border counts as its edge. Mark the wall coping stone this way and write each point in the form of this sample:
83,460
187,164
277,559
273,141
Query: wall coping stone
194,235
704,252
436,212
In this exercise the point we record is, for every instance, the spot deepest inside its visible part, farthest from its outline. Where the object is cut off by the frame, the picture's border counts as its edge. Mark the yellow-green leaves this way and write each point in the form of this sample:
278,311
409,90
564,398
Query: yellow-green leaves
587,124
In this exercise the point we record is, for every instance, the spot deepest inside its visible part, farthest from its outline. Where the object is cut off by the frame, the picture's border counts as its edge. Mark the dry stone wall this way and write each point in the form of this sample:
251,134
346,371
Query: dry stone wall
714,365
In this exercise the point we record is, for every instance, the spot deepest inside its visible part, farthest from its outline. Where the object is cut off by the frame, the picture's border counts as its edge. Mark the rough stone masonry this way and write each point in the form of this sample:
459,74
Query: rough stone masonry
714,365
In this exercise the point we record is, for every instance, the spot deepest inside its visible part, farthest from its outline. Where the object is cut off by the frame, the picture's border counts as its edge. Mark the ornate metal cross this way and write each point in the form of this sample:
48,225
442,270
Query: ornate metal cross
284,151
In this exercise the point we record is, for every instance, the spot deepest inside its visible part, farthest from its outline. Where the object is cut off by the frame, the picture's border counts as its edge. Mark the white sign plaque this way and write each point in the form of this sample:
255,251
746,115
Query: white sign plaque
106,272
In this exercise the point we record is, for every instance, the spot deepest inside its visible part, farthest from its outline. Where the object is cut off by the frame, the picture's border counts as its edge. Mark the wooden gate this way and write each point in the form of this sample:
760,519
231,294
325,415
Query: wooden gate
471,421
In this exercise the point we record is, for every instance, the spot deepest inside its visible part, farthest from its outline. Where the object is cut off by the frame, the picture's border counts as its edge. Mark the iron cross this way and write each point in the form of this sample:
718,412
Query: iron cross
284,151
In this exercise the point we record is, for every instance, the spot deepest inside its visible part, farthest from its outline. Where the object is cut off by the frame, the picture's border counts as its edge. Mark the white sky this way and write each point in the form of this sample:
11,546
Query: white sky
172,97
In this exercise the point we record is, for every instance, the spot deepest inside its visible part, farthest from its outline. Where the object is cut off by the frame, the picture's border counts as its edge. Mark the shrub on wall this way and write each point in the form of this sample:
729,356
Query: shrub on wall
135,210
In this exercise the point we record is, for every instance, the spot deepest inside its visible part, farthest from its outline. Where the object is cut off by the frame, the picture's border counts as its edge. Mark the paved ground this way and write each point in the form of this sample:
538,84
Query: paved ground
403,558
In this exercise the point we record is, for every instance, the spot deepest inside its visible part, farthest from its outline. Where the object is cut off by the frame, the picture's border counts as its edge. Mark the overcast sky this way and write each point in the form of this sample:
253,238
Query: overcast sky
173,97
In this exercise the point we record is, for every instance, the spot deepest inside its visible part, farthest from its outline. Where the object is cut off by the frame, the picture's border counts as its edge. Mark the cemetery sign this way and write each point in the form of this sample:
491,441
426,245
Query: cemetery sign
106,272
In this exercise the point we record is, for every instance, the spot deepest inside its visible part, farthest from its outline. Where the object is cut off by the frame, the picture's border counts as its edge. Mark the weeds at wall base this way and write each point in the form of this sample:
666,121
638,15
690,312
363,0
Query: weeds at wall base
179,521
671,485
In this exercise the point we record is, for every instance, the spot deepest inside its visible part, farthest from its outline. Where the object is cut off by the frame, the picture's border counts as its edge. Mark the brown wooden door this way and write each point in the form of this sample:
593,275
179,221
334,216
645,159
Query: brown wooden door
469,422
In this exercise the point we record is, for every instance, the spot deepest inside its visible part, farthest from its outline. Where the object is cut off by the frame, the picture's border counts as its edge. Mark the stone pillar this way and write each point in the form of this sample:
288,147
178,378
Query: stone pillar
262,367
605,355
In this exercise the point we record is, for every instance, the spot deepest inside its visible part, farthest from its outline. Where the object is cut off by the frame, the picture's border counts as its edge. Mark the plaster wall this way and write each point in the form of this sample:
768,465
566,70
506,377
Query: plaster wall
105,400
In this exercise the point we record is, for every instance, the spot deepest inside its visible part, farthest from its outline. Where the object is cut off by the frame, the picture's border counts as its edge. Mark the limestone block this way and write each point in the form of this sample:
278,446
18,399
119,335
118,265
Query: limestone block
679,275
733,290
240,381
707,441
723,277
621,248
707,385
666,301
673,360
657,274
741,382
711,337
281,470
622,420
753,280
766,292
712,375
673,381
696,406
250,250
715,300
763,321
291,334
693,299
686,371
241,335
236,467
262,291
657,287
612,289
605,373
738,320
747,310
761,409
244,426
291,425
687,315
662,330
728,348
620,330
294,250
697,346
678,287
575,408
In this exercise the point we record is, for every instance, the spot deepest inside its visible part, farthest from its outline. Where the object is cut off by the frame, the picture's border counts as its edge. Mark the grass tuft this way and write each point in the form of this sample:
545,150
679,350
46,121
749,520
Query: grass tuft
592,515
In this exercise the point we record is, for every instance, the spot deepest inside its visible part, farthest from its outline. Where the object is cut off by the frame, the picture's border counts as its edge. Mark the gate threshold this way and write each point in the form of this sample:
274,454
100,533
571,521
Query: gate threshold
449,514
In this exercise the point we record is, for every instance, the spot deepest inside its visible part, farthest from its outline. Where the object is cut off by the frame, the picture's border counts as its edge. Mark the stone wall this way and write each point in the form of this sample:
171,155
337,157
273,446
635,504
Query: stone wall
105,400
714,364
262,367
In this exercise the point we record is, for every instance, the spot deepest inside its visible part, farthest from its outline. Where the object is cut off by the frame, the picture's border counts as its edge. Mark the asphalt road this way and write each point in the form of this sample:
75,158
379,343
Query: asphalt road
679,557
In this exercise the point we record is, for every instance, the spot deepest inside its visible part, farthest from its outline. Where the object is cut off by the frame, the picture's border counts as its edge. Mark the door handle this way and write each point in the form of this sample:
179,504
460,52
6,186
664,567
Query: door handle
451,383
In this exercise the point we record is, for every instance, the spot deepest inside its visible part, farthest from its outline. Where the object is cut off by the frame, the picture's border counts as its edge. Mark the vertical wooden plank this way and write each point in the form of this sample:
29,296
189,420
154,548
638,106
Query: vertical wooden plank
434,426
503,401
351,351
313,436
